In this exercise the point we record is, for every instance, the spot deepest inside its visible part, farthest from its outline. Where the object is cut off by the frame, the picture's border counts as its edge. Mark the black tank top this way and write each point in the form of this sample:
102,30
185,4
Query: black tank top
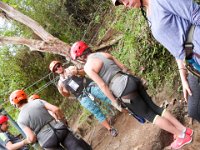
76,84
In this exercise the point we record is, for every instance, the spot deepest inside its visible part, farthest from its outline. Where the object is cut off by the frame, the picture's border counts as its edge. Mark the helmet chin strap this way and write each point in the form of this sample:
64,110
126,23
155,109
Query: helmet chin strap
142,10
141,2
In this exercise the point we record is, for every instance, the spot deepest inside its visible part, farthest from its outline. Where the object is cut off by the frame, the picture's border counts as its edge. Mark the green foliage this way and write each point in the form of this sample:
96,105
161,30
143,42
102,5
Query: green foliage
66,20
69,20
21,70
139,50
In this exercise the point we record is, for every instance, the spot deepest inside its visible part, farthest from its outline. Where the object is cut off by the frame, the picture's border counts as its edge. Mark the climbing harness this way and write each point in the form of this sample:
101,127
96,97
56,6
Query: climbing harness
191,64
77,85
143,11
65,127
122,102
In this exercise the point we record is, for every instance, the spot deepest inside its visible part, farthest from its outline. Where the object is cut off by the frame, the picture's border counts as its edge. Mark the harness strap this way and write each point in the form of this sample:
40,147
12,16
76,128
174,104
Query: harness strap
50,125
139,118
191,65
54,131
188,45
87,90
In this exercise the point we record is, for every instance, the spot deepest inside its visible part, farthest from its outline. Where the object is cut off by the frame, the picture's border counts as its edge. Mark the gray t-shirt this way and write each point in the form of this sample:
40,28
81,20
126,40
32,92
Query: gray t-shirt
170,21
34,115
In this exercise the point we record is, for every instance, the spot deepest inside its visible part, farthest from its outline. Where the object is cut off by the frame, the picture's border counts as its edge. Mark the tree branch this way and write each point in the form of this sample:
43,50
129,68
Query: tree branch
107,44
55,47
18,16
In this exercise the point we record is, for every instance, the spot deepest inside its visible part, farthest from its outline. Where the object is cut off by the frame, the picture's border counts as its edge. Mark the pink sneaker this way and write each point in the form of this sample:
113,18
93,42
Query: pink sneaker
180,142
189,131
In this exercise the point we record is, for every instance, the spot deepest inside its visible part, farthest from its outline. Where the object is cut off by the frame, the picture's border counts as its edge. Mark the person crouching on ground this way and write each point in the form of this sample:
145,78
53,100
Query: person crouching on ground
115,81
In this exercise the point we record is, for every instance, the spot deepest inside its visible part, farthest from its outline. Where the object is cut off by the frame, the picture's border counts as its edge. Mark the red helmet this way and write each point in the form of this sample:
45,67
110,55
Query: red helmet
17,96
77,49
33,97
3,119
53,64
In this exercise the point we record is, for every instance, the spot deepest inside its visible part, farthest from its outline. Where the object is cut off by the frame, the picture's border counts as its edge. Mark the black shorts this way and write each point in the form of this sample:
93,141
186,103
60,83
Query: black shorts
142,103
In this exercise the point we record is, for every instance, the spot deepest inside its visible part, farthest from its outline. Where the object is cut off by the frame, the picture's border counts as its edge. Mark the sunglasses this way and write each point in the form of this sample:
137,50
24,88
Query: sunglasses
56,67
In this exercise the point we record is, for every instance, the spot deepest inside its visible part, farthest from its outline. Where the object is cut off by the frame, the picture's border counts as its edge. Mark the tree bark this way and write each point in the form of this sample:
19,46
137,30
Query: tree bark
55,46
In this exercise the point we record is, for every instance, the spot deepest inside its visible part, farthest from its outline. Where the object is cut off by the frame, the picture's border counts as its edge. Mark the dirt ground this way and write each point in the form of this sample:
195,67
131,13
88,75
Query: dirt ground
136,136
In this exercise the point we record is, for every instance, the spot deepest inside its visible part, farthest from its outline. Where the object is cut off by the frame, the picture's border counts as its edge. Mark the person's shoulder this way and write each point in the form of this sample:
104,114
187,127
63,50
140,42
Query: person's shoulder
106,54
4,136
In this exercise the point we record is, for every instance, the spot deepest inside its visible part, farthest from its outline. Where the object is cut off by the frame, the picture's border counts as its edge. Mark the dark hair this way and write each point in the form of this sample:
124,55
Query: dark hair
24,101
87,51
117,3
55,67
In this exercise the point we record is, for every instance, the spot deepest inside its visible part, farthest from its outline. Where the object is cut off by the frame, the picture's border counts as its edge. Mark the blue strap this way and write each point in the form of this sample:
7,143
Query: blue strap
139,118
194,64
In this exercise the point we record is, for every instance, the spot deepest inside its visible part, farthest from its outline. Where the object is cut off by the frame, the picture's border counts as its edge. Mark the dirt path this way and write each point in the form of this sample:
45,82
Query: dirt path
132,135
136,136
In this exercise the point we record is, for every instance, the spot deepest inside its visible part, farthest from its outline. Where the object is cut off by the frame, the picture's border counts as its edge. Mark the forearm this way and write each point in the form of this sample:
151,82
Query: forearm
182,70
17,145
124,68
62,91
107,92
81,72
59,115
119,64
65,94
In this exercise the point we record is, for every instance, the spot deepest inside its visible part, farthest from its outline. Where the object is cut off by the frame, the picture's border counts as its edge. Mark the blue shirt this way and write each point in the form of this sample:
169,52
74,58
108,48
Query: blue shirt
170,21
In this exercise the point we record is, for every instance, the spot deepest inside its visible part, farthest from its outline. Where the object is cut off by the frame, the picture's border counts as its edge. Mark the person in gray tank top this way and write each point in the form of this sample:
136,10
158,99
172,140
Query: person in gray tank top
38,125
117,83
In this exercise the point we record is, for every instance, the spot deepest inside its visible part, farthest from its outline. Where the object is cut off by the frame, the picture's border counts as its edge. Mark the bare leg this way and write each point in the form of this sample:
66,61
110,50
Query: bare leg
164,124
106,124
173,121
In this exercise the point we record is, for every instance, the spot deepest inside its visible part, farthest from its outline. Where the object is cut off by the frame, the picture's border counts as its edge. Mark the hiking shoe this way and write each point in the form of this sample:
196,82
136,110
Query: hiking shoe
189,131
180,142
113,132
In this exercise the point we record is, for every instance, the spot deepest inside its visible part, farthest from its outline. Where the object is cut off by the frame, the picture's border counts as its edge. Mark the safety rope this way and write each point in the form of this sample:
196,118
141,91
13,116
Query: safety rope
38,90
45,85
144,14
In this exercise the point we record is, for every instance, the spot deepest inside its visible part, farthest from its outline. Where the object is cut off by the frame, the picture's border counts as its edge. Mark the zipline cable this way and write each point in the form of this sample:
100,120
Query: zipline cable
37,81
